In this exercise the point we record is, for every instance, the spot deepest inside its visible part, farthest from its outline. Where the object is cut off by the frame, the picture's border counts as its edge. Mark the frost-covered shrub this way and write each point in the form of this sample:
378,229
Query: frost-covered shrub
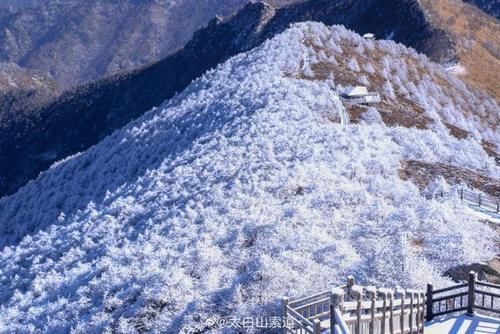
352,64
234,193
370,45
363,80
388,90
371,115
367,67
360,48
332,60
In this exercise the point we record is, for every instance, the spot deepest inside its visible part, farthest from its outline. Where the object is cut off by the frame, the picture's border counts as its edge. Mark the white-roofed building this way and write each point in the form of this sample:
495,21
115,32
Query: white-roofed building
360,94
356,91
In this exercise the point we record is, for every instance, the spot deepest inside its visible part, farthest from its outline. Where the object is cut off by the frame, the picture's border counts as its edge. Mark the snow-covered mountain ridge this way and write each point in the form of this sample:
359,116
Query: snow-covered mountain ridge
239,190
75,42
33,140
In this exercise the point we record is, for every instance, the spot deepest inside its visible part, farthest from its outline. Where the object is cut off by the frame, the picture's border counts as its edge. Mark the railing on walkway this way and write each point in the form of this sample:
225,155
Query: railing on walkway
372,97
463,297
483,201
305,315
356,309
344,115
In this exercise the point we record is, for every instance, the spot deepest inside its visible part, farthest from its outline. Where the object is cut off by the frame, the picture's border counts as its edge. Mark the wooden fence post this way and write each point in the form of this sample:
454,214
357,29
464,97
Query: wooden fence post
317,326
357,294
462,194
333,304
428,302
410,322
350,284
422,315
498,206
391,312
417,315
285,314
402,294
471,293
336,298
383,294
372,292
479,200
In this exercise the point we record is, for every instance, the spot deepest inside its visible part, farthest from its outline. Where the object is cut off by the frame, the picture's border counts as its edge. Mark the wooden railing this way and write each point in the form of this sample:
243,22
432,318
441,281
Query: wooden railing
345,118
463,297
484,201
383,311
356,309
369,98
304,315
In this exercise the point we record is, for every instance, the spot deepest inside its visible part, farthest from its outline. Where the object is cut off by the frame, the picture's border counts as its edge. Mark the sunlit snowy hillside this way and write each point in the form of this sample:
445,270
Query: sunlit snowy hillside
241,189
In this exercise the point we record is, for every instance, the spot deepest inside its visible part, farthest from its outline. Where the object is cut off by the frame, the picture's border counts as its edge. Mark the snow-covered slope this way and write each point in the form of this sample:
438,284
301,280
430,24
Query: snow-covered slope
236,192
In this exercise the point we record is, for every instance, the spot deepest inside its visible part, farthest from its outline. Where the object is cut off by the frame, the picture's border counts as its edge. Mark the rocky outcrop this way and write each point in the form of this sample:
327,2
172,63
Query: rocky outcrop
486,271
423,173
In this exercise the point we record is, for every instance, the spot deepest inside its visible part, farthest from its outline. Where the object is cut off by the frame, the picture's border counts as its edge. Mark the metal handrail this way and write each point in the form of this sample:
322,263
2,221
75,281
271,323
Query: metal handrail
450,299
481,200
355,307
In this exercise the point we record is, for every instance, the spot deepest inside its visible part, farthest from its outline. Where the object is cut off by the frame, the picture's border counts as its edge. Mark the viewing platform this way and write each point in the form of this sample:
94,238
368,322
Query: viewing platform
355,309
464,324
360,95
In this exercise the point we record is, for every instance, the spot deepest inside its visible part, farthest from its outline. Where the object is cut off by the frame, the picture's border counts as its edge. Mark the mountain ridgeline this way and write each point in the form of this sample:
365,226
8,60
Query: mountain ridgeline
491,7
85,115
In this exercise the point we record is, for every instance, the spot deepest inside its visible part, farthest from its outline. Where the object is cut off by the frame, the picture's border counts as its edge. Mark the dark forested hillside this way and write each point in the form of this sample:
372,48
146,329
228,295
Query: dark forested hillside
22,91
78,41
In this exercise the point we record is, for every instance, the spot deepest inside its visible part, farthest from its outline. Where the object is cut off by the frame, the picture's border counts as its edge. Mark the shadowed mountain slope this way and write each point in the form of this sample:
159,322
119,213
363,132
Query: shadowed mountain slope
78,41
